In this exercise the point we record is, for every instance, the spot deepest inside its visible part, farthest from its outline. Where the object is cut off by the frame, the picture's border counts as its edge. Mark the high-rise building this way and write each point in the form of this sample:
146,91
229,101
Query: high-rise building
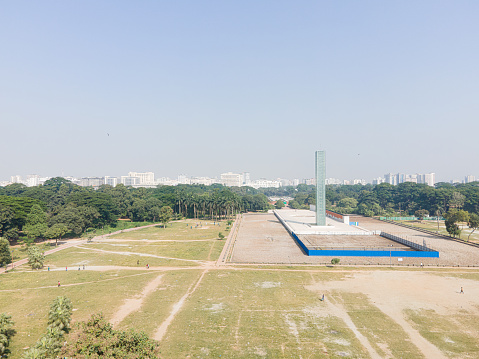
147,178
469,179
112,181
16,179
33,180
231,179
129,180
430,179
91,181
390,178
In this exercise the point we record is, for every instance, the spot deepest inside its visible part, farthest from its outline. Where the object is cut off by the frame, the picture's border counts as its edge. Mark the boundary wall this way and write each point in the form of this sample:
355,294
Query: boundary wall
358,252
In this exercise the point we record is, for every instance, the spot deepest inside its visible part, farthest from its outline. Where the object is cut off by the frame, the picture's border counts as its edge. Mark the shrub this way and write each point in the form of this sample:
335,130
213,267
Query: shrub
335,261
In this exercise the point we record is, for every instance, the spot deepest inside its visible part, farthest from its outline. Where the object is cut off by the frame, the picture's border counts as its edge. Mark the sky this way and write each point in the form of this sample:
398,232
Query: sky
95,88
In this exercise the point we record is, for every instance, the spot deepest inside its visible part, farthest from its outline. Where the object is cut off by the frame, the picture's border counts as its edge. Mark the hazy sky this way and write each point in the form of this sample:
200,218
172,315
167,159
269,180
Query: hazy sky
204,87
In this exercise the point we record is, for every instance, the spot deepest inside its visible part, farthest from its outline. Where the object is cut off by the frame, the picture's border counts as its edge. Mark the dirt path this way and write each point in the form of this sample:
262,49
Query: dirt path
73,284
133,304
161,331
339,311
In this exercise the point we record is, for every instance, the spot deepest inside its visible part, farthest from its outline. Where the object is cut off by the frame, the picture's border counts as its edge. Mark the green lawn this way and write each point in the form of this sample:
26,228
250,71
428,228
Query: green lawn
252,314
184,230
91,292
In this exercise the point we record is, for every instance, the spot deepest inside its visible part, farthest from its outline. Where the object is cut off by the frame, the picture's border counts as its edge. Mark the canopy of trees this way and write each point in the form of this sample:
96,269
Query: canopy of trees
60,208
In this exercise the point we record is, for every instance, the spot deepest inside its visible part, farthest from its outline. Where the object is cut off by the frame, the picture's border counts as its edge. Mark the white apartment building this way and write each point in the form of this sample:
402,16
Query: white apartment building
203,180
264,183
112,181
16,179
91,181
33,180
469,179
129,180
231,179
147,178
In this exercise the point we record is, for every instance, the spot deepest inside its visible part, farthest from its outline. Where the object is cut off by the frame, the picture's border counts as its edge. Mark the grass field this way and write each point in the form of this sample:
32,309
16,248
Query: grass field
432,226
198,310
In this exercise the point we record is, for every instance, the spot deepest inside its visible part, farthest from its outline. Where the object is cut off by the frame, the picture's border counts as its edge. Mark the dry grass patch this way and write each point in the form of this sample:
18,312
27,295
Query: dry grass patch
457,336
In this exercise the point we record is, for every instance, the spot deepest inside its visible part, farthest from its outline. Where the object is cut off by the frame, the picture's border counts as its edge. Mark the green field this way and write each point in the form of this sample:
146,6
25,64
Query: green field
432,226
199,310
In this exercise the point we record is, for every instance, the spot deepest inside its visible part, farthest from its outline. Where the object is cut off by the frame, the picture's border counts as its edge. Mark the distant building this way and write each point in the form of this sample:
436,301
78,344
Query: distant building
92,181
359,181
231,179
33,180
469,179
112,181
144,178
129,180
378,180
264,183
16,179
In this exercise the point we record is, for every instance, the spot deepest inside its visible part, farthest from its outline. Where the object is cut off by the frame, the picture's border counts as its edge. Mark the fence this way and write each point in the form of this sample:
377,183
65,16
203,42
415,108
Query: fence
413,245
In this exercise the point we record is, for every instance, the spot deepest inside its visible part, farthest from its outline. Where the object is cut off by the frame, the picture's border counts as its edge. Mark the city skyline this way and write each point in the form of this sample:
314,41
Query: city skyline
148,179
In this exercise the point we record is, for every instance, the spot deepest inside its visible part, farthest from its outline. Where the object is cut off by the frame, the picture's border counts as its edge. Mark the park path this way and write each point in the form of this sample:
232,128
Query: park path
161,331
133,304
73,242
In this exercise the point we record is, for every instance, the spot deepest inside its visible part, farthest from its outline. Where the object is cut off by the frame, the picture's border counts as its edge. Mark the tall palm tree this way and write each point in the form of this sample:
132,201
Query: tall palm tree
60,313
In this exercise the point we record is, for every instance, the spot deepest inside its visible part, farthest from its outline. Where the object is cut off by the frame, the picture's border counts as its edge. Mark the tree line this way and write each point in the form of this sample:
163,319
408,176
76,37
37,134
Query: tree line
60,208
457,203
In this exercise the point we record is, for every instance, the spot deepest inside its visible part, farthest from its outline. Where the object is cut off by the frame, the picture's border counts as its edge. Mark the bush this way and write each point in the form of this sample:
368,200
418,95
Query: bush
96,338
221,236
35,257
5,254
335,261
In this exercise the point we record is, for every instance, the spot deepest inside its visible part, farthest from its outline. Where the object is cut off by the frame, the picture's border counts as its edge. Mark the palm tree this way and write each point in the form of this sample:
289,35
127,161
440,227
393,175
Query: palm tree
60,314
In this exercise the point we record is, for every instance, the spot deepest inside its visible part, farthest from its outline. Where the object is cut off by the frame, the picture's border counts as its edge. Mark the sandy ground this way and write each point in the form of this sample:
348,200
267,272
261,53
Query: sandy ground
262,238
393,292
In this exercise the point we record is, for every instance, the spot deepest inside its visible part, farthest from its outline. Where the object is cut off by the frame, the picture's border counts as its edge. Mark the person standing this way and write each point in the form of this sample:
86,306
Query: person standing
462,291
58,283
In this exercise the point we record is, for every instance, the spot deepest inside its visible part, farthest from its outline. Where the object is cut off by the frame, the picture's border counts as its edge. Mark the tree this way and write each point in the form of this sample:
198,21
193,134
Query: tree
421,213
96,338
453,217
165,215
57,231
473,223
35,258
36,223
6,333
457,200
5,254
60,314
279,204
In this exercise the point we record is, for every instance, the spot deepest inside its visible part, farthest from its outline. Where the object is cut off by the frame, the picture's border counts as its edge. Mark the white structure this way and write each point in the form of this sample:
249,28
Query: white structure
231,179
16,179
203,180
33,180
469,179
264,183
147,178
112,181
91,181
129,180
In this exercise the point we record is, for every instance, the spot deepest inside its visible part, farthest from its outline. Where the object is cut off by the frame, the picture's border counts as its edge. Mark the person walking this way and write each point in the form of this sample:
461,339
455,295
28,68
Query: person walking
462,291
58,283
